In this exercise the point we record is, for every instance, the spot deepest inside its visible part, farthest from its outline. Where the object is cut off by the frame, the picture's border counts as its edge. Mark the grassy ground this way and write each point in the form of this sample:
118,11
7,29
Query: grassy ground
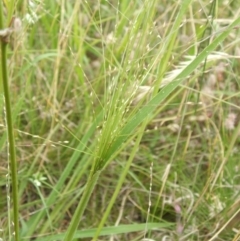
126,117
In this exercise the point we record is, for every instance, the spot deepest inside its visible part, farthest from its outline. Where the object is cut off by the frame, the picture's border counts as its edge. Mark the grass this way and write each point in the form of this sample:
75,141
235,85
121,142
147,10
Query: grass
125,118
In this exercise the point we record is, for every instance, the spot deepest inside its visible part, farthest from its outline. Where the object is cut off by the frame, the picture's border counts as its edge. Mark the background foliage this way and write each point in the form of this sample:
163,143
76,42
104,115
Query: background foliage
126,120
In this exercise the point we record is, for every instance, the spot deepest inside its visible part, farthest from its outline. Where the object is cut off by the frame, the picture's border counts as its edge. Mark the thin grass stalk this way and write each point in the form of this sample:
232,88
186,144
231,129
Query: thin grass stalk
81,206
120,182
10,131
170,42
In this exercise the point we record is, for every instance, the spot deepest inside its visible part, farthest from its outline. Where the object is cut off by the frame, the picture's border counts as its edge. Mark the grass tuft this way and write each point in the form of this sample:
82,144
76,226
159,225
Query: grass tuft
125,118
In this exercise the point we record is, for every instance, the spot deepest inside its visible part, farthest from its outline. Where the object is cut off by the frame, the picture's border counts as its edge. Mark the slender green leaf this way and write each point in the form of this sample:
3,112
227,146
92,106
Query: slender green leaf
107,231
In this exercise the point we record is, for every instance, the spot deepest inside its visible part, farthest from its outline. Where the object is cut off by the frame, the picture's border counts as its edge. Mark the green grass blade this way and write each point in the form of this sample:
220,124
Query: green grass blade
169,45
81,206
107,231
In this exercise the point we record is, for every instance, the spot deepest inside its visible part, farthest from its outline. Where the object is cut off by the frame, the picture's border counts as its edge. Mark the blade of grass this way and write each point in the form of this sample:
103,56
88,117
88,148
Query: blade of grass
107,231
170,40
81,206
10,9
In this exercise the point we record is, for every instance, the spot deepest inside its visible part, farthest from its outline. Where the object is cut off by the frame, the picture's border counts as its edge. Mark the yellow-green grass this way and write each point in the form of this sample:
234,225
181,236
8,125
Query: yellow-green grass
125,117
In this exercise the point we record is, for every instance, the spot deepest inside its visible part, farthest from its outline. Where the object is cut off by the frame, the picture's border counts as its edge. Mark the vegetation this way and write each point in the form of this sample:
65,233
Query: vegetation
124,120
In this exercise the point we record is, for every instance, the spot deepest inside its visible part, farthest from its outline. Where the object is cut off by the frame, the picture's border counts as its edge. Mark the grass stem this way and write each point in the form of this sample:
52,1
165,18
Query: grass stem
10,131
